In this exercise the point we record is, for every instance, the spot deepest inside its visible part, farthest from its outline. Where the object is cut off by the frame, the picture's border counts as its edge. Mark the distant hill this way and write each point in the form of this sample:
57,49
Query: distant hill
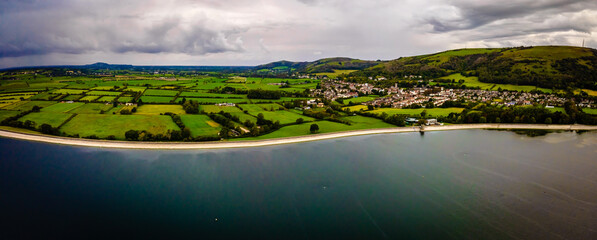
543,66
319,66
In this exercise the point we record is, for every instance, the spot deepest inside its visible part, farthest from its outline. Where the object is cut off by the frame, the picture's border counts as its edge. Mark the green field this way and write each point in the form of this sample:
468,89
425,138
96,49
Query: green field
28,105
358,123
90,108
244,117
209,95
356,108
285,117
250,107
156,99
149,109
106,99
431,112
159,92
68,91
474,82
200,125
359,99
4,114
134,89
336,73
104,125
103,93
72,98
42,96
52,118
89,98
217,109
590,110
125,99
215,100
586,110
62,107
254,108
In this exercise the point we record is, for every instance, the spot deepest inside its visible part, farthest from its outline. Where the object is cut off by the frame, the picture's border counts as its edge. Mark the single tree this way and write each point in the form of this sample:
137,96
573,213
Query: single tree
300,120
314,128
132,135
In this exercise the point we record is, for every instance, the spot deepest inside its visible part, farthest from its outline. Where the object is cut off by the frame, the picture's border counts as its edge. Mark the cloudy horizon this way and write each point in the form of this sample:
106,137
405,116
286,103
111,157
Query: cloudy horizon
235,32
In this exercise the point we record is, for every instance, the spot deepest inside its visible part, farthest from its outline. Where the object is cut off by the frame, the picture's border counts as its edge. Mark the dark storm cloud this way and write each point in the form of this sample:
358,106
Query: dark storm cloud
467,14
74,27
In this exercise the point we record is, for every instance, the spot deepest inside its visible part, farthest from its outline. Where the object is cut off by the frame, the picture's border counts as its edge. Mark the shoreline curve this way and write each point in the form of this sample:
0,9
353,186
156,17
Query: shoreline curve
275,141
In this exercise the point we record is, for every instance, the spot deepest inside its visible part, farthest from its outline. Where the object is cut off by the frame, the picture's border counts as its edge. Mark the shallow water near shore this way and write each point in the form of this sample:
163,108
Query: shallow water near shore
475,184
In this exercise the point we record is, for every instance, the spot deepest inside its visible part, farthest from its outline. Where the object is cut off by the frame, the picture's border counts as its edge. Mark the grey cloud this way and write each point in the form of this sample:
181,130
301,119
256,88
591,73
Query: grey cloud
33,28
469,14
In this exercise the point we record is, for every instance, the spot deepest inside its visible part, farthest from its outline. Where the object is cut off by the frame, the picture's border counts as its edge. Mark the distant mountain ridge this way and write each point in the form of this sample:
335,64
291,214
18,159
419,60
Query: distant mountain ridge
319,66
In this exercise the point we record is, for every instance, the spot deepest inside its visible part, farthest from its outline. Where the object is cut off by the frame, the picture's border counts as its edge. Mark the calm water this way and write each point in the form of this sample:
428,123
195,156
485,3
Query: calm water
473,184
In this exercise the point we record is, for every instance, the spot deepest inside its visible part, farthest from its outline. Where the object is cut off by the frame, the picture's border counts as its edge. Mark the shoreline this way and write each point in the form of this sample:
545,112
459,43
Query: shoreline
275,141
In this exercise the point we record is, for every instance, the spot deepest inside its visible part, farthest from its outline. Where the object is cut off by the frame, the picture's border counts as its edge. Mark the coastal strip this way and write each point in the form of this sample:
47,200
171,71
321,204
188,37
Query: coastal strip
276,141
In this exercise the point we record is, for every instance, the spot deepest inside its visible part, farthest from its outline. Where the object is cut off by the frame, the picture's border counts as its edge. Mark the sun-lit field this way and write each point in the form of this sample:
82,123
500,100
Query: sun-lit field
104,125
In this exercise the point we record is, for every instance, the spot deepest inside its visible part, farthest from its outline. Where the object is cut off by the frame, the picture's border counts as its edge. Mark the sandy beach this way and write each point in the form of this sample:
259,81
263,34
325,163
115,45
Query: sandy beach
276,141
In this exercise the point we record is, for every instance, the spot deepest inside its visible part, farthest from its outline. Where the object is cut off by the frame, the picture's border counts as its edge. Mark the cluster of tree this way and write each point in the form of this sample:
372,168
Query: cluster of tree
522,114
185,133
582,71
228,90
171,135
395,119
329,114
128,112
264,94
191,107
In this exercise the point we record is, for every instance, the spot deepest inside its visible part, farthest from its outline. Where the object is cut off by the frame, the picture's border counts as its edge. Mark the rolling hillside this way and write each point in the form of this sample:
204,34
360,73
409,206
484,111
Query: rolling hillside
326,65
544,66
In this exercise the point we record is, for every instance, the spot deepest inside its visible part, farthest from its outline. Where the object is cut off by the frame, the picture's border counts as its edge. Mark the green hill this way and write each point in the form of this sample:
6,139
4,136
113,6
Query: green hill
326,65
544,66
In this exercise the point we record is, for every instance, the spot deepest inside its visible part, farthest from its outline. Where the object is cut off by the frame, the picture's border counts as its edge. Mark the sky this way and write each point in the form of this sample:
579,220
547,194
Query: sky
253,32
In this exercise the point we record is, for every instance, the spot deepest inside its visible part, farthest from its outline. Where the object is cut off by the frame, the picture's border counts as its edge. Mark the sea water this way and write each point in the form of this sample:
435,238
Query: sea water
475,184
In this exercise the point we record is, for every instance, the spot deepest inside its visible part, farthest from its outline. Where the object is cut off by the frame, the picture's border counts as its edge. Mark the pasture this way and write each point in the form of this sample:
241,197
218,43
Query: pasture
62,107
104,125
27,105
357,108
4,114
103,93
474,82
125,99
209,95
200,125
89,98
160,92
68,91
336,73
215,100
285,117
359,99
52,118
242,117
149,109
72,97
255,108
106,99
217,109
91,108
156,99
